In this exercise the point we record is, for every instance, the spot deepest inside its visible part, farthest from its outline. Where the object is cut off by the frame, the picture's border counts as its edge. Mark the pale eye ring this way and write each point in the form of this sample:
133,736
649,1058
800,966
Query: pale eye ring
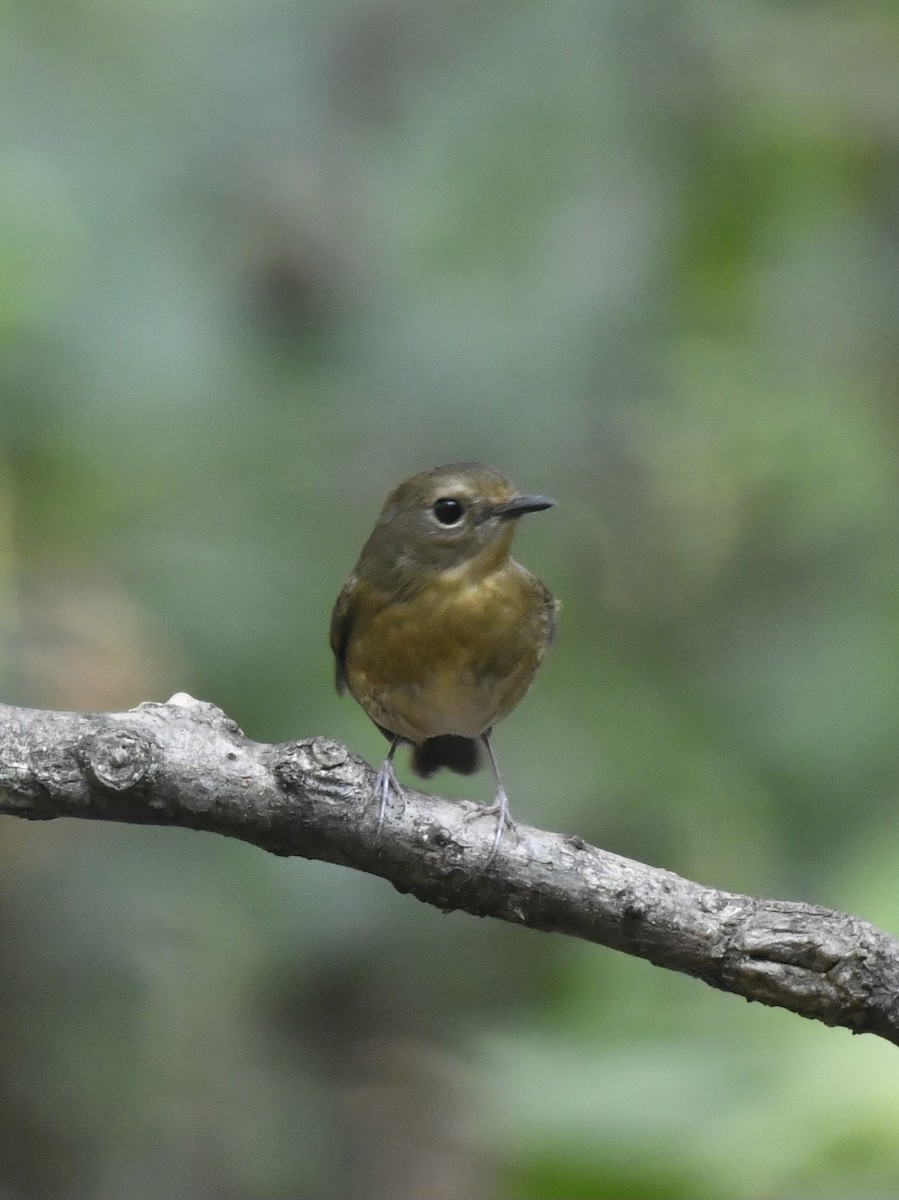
448,510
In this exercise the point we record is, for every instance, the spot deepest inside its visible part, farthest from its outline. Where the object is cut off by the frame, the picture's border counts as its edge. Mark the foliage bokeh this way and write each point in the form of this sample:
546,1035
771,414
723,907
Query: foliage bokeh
260,262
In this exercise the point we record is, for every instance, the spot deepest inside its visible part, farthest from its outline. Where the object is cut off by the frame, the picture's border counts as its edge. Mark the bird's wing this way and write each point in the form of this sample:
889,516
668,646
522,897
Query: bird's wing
341,624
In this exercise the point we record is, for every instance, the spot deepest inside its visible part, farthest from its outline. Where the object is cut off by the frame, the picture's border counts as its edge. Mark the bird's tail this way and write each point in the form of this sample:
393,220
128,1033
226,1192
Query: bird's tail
460,754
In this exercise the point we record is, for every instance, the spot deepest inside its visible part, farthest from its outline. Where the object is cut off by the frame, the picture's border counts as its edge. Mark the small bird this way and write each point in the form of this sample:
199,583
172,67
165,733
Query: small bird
438,632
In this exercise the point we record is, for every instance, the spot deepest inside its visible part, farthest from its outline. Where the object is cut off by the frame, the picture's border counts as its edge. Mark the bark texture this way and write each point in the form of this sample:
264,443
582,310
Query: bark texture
185,763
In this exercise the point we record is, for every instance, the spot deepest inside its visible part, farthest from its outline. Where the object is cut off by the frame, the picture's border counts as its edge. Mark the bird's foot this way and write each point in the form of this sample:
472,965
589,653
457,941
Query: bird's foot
500,809
385,780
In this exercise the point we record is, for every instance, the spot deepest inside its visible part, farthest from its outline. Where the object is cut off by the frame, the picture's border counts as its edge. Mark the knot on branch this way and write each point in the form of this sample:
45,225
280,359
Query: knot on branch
193,712
297,759
118,759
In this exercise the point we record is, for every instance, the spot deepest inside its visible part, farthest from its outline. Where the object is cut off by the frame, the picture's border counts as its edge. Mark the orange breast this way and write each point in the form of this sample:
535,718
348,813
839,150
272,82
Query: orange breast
455,658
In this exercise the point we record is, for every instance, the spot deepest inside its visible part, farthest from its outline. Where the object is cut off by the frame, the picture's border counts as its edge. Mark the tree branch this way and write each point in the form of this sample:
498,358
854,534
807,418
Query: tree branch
186,764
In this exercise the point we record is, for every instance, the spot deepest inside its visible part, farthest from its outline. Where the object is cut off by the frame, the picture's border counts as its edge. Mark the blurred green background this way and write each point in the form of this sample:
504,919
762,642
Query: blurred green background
259,262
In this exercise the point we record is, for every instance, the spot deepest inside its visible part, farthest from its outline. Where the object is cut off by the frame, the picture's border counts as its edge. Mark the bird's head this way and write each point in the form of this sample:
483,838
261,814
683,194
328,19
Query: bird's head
447,517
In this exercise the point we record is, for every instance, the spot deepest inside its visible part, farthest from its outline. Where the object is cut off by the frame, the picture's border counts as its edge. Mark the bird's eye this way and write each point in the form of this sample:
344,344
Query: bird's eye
448,511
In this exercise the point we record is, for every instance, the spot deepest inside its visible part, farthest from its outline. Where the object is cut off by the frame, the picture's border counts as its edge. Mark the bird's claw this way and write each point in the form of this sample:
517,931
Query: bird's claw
500,809
384,781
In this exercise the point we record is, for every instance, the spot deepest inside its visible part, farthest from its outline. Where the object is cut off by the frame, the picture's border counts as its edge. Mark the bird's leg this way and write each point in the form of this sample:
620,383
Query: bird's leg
384,781
500,805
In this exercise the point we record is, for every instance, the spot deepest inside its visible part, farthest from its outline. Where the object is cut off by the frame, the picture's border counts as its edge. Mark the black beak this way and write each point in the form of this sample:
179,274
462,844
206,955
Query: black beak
519,505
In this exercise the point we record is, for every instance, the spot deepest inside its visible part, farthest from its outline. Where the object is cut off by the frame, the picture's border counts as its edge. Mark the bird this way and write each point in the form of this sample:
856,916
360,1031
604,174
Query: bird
438,632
